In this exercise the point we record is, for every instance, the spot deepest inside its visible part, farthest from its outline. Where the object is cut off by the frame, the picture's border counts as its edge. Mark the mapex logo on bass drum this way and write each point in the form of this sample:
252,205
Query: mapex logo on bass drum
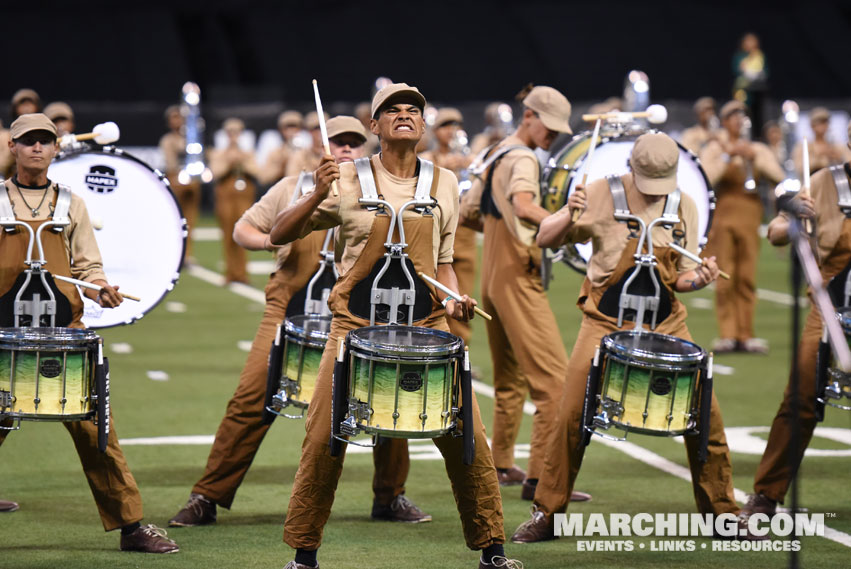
101,179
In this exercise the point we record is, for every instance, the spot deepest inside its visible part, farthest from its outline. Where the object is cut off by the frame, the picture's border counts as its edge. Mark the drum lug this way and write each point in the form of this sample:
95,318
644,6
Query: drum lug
14,427
6,400
349,426
280,402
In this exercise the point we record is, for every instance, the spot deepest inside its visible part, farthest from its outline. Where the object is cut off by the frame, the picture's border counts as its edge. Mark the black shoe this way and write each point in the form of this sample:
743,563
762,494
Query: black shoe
401,509
198,511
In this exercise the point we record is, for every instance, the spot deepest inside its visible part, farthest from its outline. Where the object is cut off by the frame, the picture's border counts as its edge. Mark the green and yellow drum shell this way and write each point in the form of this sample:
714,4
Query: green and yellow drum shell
47,374
649,382
305,337
403,380
839,382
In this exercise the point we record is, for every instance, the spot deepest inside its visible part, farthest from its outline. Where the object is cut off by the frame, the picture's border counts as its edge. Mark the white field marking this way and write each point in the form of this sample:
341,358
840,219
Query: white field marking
720,369
216,279
244,345
701,303
744,441
261,267
206,234
121,348
174,306
633,450
157,375
780,297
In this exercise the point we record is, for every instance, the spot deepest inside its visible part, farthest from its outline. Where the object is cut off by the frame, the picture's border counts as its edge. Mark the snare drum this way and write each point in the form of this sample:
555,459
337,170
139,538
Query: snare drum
47,374
611,157
304,341
403,380
649,383
835,388
139,227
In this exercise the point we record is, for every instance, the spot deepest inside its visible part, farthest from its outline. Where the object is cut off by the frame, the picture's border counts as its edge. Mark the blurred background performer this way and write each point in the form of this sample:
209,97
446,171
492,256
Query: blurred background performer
782,457
275,166
732,164
498,117
512,291
24,101
72,252
242,429
695,137
823,152
397,111
307,159
363,114
750,85
62,116
234,171
447,155
173,149
653,163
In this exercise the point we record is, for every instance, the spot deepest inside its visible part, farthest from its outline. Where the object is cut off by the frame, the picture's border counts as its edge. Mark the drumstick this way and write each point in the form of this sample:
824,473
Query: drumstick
94,287
323,130
438,285
655,114
695,258
104,133
574,216
805,189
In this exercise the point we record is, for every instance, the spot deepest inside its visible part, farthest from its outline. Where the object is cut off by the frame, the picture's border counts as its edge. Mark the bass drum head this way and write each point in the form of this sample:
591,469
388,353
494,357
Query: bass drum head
142,235
611,157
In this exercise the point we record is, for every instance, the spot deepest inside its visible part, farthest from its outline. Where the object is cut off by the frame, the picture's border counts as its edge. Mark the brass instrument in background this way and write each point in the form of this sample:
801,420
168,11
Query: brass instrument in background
194,167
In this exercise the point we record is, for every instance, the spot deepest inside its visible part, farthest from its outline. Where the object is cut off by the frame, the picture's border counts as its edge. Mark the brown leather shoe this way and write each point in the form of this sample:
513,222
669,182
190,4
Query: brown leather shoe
539,528
7,506
198,511
148,539
401,509
499,563
743,533
577,496
511,477
294,565
758,504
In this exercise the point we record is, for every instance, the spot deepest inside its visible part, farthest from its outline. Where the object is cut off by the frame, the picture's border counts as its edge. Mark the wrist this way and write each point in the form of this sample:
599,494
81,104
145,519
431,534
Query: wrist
446,301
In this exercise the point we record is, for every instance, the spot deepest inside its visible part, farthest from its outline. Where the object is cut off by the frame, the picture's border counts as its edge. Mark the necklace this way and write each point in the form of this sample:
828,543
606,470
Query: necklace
35,209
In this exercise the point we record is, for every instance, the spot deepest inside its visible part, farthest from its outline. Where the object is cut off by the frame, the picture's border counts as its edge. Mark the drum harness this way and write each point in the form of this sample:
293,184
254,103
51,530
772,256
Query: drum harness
326,257
36,308
644,262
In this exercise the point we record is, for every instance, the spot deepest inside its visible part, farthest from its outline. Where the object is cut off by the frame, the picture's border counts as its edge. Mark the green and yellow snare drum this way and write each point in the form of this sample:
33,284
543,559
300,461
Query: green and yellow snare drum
834,385
403,380
647,383
47,374
305,337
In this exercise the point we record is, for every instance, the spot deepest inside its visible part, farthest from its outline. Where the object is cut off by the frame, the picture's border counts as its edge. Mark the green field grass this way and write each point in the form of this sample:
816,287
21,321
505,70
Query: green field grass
58,525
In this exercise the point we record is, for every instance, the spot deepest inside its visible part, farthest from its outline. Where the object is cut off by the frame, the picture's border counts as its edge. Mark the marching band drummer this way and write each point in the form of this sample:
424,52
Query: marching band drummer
62,116
446,124
24,101
823,152
729,160
783,455
512,291
173,149
397,111
242,429
72,252
653,163
275,167
696,137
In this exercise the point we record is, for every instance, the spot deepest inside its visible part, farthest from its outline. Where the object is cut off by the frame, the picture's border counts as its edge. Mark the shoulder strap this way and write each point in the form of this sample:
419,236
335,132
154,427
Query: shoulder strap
843,191
366,179
63,205
302,184
671,213
477,169
7,214
424,180
618,197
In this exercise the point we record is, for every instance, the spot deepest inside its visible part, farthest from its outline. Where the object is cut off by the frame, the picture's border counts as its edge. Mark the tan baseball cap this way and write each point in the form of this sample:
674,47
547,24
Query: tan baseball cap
395,91
311,120
345,124
233,124
552,107
22,95
819,114
654,162
448,115
59,110
290,118
731,107
704,103
30,122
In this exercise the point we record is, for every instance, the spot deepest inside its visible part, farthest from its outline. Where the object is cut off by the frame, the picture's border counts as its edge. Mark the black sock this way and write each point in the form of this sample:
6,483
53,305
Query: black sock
491,551
128,529
531,481
306,557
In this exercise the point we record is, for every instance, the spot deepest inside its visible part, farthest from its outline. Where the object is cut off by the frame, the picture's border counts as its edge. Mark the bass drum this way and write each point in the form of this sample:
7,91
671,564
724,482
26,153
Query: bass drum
139,227
566,169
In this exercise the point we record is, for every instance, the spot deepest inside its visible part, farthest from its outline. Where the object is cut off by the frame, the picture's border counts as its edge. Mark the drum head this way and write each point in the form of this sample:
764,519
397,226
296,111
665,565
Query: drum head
404,340
651,346
611,157
143,232
308,326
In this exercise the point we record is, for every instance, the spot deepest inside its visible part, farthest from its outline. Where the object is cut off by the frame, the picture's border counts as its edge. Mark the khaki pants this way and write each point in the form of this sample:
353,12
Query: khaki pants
242,429
230,205
475,487
110,480
464,266
778,466
712,481
189,198
734,240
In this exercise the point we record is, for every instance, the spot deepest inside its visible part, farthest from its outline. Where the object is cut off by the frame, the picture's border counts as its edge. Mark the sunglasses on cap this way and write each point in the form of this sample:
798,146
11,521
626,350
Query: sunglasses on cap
41,136
352,141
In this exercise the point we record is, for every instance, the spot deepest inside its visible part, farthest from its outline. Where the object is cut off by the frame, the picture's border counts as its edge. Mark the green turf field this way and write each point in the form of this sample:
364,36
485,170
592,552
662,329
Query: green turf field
58,525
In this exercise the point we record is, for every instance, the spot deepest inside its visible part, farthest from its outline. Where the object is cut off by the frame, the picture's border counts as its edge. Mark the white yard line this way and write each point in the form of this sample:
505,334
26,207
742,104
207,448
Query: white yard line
637,452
